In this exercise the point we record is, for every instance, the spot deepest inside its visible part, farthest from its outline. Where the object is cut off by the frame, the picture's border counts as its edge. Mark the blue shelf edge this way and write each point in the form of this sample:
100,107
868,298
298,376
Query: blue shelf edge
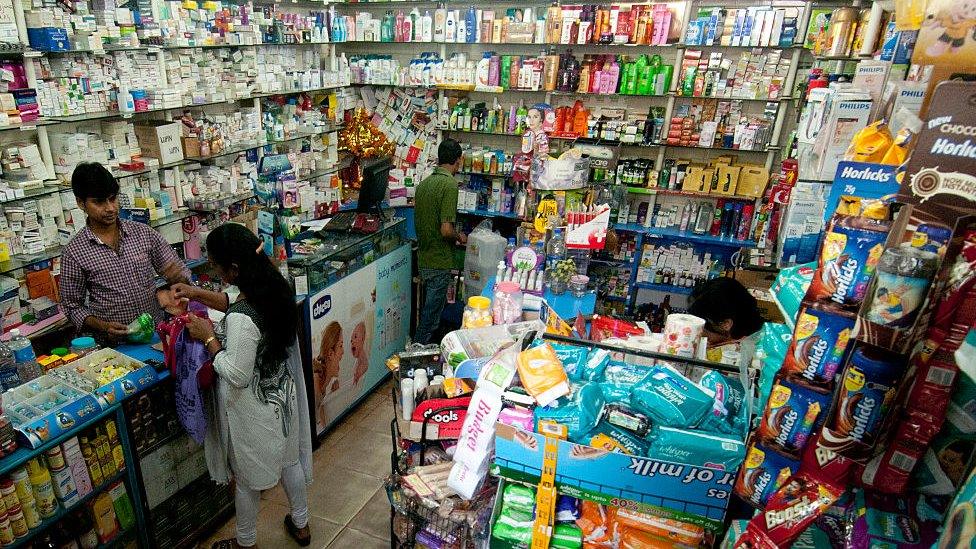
691,237
664,288
22,455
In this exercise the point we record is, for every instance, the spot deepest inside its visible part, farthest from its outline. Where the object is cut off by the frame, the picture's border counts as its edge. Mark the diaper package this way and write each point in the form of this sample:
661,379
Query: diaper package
519,500
566,536
579,411
595,522
728,413
791,285
695,448
542,374
671,399
595,365
573,358
793,412
774,340
614,393
567,509
624,373
614,439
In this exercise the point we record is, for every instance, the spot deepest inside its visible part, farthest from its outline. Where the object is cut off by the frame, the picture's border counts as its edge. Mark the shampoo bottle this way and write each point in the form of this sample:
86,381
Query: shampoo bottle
450,27
471,26
426,27
440,23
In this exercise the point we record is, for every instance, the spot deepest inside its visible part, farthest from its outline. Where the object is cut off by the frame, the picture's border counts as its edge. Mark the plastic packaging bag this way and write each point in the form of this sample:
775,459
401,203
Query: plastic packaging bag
485,249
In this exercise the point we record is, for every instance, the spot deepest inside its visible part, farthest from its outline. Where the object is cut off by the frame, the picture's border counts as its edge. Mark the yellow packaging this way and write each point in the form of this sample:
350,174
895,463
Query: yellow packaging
752,180
727,179
104,514
458,386
870,144
542,374
697,179
898,152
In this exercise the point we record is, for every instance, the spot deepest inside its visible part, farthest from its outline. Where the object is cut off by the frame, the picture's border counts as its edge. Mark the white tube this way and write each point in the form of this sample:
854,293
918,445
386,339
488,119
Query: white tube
407,400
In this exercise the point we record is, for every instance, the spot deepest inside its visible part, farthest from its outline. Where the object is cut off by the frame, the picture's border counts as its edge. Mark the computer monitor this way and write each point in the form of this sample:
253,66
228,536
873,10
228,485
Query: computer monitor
372,192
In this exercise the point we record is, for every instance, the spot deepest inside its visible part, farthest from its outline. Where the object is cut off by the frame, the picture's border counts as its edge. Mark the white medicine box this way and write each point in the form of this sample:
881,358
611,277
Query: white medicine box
160,140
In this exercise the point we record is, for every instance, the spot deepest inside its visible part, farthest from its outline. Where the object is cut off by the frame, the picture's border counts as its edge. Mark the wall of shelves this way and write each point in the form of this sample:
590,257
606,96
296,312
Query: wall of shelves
672,102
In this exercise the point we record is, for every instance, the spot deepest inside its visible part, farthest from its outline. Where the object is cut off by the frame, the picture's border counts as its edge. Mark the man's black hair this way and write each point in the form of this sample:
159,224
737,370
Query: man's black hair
92,180
722,299
448,152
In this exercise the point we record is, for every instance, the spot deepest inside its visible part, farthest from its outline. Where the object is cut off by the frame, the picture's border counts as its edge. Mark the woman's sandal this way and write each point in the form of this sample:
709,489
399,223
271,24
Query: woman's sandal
302,536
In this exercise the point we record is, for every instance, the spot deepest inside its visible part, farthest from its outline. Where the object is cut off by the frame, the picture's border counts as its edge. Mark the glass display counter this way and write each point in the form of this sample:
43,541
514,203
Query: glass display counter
321,259
356,313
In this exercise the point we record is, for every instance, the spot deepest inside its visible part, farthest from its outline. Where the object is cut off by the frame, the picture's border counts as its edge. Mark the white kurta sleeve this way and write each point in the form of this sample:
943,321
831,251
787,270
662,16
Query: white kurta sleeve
235,363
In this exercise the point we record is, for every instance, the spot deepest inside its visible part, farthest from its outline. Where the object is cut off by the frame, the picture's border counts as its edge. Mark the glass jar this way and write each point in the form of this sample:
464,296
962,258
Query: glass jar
506,307
81,346
477,313
577,284
557,287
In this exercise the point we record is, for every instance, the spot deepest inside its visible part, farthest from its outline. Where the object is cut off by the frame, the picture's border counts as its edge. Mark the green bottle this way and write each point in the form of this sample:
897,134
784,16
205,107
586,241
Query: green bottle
506,72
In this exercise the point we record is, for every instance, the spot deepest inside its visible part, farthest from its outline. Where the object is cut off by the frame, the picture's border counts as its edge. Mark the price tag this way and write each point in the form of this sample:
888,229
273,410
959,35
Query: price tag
154,49
28,128
545,499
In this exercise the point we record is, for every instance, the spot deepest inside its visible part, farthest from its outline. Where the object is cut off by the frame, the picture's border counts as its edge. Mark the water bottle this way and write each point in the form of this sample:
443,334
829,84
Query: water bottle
8,369
556,250
24,358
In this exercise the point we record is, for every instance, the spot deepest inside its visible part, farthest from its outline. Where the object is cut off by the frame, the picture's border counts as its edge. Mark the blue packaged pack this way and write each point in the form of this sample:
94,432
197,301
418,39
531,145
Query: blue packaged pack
614,393
595,365
579,411
624,373
573,358
695,448
671,399
729,395
567,509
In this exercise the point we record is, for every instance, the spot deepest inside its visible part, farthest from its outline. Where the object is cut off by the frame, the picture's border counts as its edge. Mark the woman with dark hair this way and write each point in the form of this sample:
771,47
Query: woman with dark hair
731,317
258,426
729,310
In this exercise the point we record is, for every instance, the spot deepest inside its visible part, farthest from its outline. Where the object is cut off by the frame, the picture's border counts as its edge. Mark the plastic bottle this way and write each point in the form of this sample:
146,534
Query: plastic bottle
556,249
483,77
24,358
509,249
40,480
471,26
426,27
440,24
450,27
8,368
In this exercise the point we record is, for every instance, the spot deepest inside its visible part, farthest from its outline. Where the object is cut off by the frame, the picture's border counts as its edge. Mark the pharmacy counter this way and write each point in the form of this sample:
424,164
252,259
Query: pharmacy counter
356,314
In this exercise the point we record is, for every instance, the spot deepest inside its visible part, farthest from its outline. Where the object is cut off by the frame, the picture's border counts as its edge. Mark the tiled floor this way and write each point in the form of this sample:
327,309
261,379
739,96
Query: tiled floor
347,502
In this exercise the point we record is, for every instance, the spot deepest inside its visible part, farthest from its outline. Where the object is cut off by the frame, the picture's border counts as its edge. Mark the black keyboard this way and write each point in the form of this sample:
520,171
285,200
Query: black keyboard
341,221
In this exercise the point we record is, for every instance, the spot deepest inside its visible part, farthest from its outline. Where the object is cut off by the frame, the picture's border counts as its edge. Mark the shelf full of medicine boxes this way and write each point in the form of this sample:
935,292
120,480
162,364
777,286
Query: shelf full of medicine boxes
50,186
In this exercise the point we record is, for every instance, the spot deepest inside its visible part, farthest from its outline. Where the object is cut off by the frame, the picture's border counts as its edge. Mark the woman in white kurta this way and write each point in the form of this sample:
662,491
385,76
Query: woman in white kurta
258,421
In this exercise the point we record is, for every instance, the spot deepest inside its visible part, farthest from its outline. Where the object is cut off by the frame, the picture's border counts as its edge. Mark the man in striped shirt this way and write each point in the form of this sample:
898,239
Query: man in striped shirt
109,268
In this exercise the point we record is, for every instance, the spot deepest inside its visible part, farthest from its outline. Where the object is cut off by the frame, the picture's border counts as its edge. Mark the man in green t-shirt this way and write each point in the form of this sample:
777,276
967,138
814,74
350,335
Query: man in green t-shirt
435,209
